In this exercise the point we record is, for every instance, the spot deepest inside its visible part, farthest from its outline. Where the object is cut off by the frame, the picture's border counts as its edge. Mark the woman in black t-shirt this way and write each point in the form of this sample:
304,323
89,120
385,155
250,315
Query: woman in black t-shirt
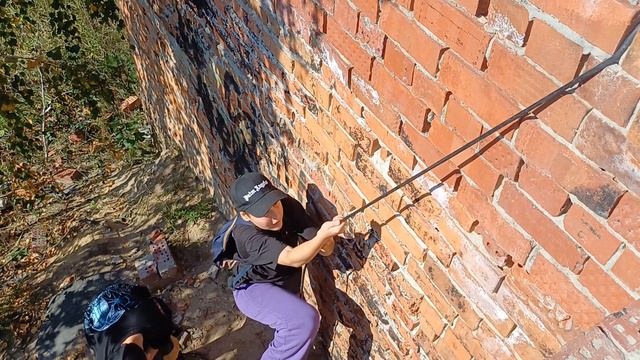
269,239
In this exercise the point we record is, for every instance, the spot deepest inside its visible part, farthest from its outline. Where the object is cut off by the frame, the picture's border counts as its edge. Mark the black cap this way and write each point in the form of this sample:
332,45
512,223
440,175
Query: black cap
254,193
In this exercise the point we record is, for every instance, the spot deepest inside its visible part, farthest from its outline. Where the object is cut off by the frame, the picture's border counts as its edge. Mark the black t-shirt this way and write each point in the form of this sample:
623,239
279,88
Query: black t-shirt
261,248
154,325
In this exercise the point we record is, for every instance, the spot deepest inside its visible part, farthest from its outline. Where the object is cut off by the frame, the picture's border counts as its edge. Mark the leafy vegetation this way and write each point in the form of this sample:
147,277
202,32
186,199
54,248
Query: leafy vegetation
64,68
175,216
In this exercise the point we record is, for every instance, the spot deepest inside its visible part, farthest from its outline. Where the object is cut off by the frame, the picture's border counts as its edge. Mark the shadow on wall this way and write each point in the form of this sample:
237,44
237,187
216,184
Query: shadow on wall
335,305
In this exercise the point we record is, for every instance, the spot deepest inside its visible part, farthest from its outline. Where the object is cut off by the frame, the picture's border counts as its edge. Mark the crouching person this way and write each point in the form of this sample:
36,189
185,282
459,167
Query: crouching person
124,322
274,238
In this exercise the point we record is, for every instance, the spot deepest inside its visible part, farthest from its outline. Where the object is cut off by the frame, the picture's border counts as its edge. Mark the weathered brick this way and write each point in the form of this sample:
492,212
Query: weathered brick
349,48
603,288
626,268
406,32
462,32
543,230
602,22
475,7
491,311
594,343
495,230
450,347
624,327
563,116
487,275
461,120
544,190
425,150
346,16
431,322
550,281
429,90
473,345
443,282
370,35
509,19
368,7
527,320
484,98
631,62
394,91
522,345
624,219
589,233
399,149
608,147
611,92
435,296
591,186
398,63
546,47
490,340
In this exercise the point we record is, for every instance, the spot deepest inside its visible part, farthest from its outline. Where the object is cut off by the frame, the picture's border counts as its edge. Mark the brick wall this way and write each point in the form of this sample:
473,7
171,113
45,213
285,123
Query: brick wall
511,249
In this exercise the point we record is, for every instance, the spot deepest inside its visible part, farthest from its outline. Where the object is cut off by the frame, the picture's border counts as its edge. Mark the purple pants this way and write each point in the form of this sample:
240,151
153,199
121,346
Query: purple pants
295,322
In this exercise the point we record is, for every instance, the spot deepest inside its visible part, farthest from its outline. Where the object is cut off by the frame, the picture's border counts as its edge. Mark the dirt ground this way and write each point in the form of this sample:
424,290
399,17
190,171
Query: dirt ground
108,221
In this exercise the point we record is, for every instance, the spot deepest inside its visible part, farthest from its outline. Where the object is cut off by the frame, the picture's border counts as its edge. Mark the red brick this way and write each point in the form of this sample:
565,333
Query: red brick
603,288
398,63
486,274
475,7
435,296
407,4
595,343
429,154
631,62
466,220
494,229
546,47
340,71
601,22
368,7
364,138
563,116
527,320
349,48
431,322
346,16
626,268
546,278
510,19
489,309
393,246
608,147
589,233
473,345
463,33
462,121
624,219
394,143
432,238
541,228
490,340
400,315
523,346
470,86
483,175
446,141
611,92
450,347
624,327
429,91
370,35
406,32
461,302
591,186
395,92
544,190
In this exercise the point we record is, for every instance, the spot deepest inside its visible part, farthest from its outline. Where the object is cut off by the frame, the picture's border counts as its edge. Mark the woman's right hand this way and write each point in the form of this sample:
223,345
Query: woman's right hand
332,228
